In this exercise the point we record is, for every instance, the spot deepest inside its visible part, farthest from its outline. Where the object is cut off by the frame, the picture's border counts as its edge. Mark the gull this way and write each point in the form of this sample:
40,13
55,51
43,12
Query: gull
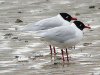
63,36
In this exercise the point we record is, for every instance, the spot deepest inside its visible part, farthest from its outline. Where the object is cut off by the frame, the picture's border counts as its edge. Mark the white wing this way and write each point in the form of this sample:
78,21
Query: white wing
58,34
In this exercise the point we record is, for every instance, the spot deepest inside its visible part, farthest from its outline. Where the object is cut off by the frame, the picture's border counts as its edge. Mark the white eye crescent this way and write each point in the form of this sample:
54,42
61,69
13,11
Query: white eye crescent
80,25
66,16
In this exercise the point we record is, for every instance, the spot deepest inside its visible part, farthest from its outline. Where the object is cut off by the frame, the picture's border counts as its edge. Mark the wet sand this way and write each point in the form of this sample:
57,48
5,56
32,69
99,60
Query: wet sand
35,56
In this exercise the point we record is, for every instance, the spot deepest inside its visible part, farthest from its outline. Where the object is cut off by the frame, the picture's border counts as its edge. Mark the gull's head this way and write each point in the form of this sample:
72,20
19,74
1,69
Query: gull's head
67,17
81,25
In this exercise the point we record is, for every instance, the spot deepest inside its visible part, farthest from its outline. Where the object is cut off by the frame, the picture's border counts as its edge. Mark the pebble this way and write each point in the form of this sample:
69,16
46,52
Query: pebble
77,14
92,6
16,56
86,44
8,34
15,38
18,21
4,29
19,12
21,59
91,30
26,41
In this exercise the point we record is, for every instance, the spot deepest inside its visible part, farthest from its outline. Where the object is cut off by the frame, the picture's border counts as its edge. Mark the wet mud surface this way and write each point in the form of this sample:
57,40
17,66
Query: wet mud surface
21,54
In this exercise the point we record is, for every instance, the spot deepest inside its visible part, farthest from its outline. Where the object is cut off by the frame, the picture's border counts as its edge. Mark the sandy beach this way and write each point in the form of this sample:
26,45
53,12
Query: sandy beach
35,56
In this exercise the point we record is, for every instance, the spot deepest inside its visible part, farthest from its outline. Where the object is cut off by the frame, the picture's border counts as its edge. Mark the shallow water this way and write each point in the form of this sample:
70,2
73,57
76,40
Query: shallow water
33,56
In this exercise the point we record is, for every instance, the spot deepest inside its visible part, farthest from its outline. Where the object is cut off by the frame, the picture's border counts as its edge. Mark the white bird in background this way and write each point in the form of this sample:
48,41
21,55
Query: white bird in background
48,23
63,36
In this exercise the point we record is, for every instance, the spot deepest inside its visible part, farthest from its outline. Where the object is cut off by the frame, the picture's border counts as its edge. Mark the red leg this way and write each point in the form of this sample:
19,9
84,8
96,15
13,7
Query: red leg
67,55
50,49
62,54
54,50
